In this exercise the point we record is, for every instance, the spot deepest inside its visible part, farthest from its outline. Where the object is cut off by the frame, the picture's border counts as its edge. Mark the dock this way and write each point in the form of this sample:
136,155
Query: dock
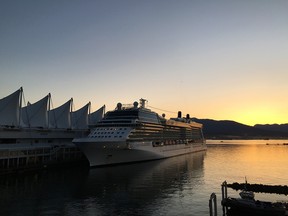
276,189
246,204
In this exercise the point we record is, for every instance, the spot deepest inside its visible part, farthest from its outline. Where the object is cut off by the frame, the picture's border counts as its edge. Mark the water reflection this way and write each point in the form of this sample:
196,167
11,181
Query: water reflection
161,187
175,186
138,189
260,163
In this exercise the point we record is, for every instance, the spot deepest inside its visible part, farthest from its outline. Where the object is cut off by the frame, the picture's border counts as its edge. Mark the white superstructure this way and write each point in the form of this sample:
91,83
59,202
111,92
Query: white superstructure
132,134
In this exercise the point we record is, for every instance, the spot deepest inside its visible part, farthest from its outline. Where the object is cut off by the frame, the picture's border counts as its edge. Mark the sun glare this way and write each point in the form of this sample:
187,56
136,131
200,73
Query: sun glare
261,116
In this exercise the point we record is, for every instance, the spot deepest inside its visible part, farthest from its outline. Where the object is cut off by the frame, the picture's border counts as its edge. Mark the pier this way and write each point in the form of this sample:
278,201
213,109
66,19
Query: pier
247,204
31,158
277,189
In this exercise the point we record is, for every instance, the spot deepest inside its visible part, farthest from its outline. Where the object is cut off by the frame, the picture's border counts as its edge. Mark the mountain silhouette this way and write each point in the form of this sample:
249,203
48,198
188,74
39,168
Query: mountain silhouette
273,127
222,129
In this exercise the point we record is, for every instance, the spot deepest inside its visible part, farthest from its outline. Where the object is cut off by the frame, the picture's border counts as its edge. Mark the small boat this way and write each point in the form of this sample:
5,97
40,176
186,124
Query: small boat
248,205
245,194
254,207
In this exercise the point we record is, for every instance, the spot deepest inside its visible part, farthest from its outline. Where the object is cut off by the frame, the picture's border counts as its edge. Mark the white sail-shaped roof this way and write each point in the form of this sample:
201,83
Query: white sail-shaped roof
96,116
60,117
80,117
36,114
10,108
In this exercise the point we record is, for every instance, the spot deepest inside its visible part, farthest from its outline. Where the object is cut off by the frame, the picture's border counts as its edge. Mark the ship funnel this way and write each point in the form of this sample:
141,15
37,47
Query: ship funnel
135,104
119,106
188,116
179,114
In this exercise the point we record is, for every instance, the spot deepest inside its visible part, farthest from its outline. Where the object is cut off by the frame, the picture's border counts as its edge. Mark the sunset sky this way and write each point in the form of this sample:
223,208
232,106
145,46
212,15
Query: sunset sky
222,60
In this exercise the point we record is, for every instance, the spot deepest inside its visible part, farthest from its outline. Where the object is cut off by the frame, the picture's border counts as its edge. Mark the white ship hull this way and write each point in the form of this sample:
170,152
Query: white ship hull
133,134
101,154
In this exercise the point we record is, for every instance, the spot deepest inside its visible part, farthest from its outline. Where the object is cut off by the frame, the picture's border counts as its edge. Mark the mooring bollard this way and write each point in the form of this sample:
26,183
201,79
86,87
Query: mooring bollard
213,208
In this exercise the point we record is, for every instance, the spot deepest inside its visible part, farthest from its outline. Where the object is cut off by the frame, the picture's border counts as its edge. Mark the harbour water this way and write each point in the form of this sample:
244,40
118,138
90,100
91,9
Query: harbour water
176,186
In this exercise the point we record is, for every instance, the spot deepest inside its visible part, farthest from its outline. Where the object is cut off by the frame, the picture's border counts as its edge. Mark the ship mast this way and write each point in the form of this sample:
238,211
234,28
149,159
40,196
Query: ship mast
143,103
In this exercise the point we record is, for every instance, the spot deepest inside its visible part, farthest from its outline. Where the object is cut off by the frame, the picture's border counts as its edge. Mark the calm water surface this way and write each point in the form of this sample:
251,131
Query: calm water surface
176,186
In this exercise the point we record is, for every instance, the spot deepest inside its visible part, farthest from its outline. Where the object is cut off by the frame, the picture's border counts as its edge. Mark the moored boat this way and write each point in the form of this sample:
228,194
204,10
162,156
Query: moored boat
247,205
133,133
255,207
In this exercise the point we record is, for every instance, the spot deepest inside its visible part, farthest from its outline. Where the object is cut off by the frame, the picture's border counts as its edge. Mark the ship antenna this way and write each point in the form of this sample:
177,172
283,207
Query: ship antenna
143,102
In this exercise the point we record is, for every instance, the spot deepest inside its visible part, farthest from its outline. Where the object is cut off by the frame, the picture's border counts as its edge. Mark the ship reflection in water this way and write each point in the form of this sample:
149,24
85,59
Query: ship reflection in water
163,187
179,185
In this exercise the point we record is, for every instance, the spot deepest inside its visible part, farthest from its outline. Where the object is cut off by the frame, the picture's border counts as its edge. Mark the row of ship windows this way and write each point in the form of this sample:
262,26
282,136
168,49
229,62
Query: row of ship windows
105,136
107,133
171,142
175,142
107,129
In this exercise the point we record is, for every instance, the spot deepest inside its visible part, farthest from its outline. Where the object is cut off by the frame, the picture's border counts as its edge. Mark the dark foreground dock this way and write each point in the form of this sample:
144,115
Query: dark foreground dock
247,205
277,189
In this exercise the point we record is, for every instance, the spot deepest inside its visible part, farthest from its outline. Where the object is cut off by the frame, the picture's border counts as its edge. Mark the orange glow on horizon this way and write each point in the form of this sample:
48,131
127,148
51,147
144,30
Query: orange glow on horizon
266,114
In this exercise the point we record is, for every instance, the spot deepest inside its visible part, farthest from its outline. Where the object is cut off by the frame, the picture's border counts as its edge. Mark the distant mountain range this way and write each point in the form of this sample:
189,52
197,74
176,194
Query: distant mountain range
225,129
273,127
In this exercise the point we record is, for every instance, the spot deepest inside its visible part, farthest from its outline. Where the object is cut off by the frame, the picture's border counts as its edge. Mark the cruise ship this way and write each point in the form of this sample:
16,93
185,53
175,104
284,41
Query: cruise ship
134,133
34,136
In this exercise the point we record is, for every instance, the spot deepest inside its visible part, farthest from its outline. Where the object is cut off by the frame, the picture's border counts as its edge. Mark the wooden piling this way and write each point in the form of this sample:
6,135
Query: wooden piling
224,196
213,205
